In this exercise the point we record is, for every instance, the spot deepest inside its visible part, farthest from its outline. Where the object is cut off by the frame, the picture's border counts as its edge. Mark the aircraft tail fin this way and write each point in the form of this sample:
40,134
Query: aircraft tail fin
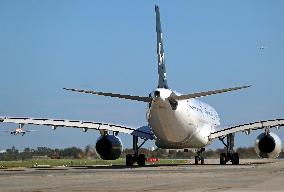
160,52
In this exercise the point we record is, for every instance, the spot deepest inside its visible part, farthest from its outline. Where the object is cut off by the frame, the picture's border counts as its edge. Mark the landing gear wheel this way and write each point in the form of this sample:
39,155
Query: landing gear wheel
199,156
136,157
229,155
223,159
141,160
196,160
235,159
202,160
129,160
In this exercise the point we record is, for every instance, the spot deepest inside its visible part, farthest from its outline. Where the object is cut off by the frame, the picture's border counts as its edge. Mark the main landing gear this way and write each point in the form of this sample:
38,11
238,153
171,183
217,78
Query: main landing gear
199,157
136,157
230,155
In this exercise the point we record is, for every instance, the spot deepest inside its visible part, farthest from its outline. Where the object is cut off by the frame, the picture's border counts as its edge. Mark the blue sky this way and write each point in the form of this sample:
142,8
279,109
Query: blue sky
111,46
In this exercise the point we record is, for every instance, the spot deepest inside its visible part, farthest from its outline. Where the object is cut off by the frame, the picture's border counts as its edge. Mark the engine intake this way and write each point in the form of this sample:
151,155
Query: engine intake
109,147
268,145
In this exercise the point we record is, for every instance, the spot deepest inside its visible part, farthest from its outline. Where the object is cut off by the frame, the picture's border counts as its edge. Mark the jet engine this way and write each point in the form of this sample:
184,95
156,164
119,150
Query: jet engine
109,147
268,145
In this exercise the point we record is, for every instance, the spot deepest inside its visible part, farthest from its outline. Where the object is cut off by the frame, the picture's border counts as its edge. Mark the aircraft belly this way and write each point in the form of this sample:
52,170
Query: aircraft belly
178,129
198,139
170,125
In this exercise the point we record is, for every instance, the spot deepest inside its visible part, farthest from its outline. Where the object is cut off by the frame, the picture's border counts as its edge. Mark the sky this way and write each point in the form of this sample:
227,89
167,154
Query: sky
111,46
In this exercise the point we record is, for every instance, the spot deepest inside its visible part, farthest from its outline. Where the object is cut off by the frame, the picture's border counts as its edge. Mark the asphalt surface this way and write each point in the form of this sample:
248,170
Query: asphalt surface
251,175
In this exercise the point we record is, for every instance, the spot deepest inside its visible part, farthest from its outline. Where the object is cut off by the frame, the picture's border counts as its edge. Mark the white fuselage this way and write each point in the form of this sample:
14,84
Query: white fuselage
187,126
18,131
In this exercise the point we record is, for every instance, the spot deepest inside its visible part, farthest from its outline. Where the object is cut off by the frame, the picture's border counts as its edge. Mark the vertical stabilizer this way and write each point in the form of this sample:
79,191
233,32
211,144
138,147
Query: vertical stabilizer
160,52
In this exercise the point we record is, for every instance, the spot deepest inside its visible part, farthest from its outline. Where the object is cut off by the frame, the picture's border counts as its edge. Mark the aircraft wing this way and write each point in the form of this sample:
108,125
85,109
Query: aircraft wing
30,130
276,123
6,131
142,132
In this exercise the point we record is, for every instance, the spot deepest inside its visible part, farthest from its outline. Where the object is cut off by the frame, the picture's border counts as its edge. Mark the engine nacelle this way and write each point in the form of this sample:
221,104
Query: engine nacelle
109,147
268,145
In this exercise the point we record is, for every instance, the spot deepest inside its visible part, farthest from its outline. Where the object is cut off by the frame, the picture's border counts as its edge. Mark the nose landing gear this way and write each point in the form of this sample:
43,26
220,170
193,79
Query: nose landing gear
199,157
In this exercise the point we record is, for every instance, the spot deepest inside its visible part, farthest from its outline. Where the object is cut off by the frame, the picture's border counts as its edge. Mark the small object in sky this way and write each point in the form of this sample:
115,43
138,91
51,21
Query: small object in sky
262,47
19,131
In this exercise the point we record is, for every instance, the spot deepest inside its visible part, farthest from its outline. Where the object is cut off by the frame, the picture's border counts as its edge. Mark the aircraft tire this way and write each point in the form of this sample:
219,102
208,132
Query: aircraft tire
141,160
222,159
202,160
196,160
129,160
235,159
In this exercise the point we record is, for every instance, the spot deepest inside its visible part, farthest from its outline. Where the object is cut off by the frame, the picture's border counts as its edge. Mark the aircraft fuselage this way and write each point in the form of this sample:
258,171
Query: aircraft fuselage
186,126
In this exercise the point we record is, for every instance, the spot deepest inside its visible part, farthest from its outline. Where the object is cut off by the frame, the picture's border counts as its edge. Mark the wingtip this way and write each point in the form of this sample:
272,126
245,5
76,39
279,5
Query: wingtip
244,87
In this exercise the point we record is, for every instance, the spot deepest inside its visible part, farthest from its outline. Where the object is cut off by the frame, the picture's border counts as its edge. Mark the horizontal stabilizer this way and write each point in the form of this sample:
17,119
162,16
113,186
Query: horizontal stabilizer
207,93
130,97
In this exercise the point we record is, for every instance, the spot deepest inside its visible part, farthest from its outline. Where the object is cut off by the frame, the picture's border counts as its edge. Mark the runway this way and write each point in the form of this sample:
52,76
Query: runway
251,175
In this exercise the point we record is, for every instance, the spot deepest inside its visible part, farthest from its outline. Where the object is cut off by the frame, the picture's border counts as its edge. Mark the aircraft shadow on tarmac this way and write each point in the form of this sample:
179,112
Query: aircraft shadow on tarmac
156,165
122,166
127,167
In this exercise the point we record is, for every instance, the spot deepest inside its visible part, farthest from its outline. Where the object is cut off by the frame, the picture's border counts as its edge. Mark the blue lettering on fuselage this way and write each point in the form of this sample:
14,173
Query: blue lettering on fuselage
203,109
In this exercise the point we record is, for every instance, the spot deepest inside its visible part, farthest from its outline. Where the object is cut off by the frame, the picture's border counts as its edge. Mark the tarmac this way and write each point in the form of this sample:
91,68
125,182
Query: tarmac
250,175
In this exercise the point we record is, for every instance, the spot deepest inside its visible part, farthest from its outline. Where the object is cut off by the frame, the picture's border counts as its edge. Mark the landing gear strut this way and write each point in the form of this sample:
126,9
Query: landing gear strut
199,157
230,155
136,157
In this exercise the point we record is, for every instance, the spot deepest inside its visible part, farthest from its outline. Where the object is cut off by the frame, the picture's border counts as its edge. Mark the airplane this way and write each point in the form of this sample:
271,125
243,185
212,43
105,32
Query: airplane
262,47
19,131
175,121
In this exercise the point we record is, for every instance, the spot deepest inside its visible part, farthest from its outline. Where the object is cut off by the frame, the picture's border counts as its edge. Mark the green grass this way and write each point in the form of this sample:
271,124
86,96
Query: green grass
76,162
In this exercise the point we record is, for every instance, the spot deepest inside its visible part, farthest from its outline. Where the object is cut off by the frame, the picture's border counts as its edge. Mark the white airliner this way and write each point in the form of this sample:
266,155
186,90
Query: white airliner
19,131
175,121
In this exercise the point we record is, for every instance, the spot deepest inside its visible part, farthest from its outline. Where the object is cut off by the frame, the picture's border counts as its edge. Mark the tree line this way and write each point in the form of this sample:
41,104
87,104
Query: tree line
89,153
